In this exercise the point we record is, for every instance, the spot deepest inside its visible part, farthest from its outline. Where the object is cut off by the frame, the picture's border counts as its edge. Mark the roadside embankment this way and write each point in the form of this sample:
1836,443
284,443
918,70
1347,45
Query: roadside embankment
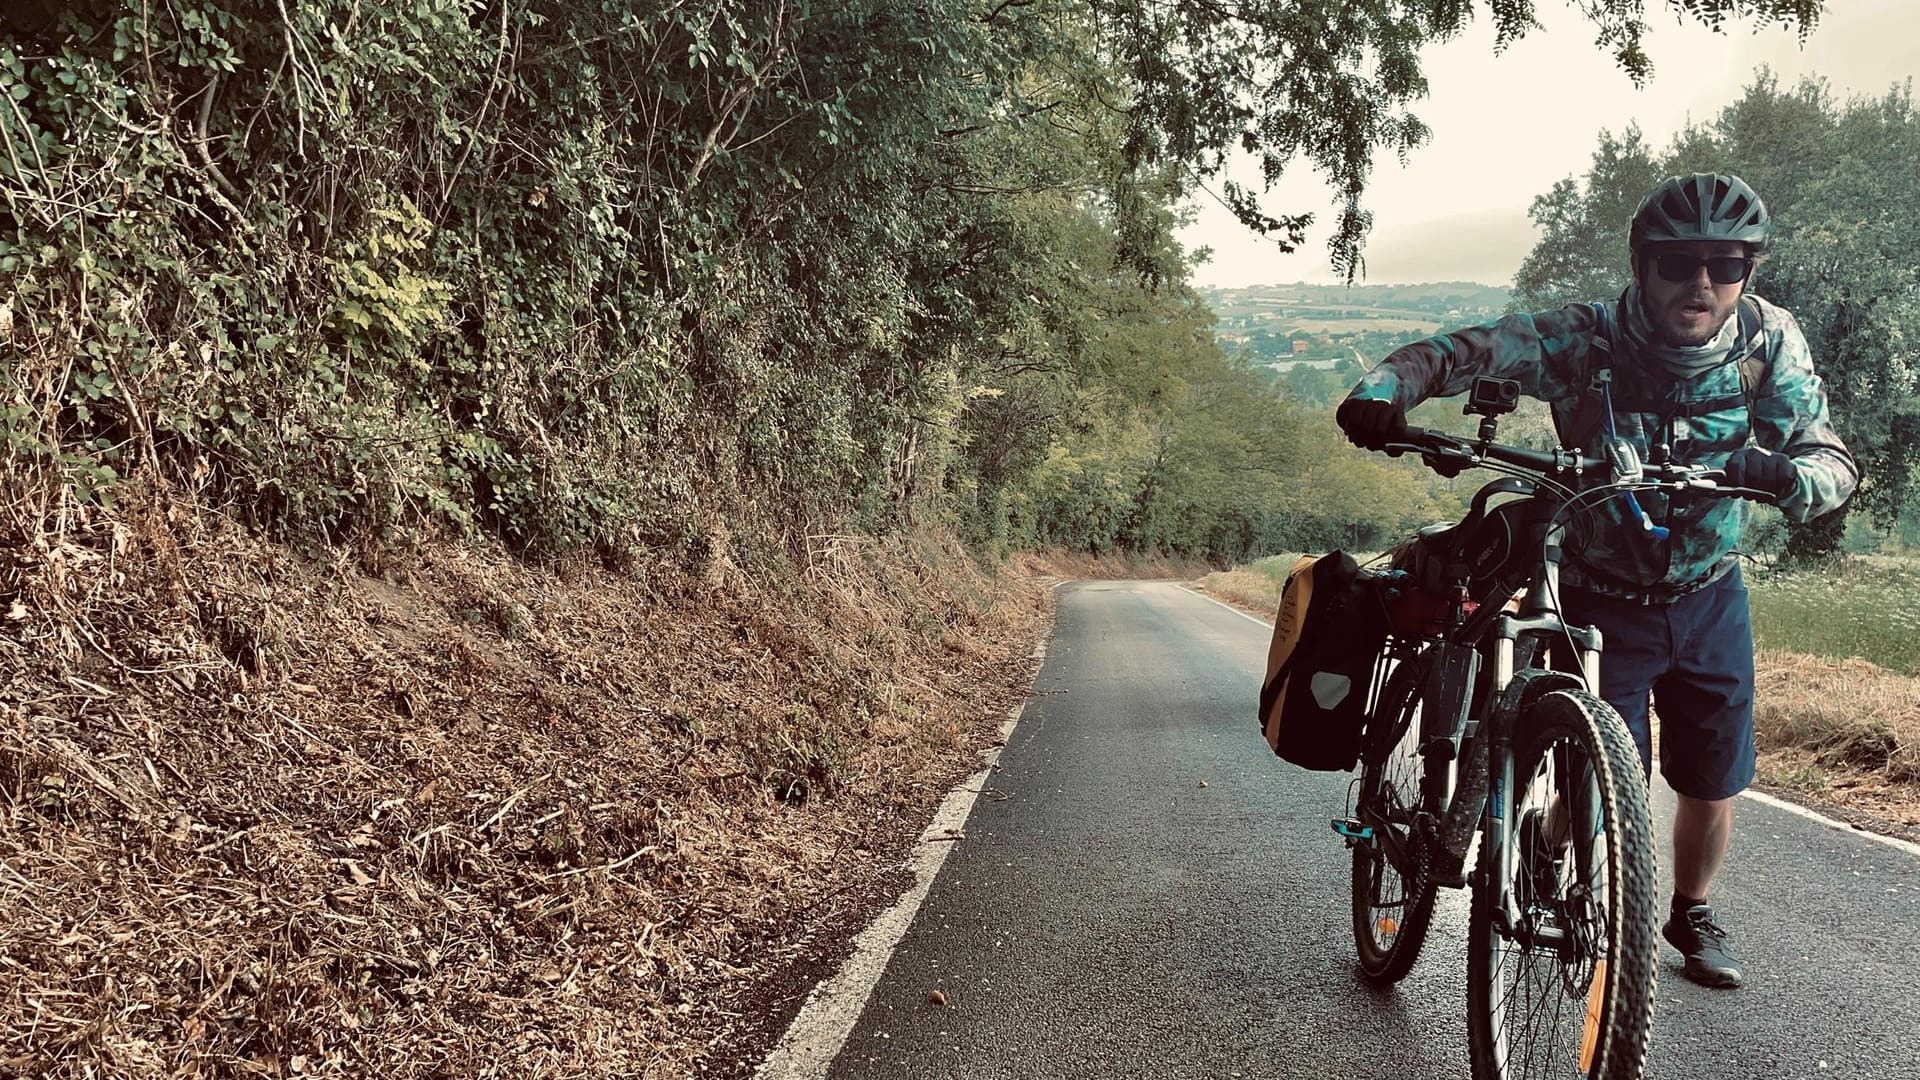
452,815
1112,566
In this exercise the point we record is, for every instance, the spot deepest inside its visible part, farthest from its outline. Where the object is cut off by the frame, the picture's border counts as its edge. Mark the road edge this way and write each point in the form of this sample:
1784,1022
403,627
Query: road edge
819,1031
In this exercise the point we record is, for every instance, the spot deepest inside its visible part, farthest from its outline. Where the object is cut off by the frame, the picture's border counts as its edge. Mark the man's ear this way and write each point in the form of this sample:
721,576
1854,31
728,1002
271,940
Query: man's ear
1636,265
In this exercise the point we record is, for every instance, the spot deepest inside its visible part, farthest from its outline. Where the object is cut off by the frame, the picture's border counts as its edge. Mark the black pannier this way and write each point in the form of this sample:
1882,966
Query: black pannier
1326,639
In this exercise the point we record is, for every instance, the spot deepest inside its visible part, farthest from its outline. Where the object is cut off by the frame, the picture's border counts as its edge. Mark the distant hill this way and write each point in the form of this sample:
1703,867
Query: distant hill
1443,301
1317,339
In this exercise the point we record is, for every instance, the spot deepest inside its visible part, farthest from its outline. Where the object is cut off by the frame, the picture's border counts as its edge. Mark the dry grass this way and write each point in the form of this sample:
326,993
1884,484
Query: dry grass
1253,588
1082,566
1849,717
459,817
1248,589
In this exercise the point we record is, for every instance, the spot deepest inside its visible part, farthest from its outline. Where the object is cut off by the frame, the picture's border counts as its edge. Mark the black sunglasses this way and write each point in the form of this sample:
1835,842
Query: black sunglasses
1721,269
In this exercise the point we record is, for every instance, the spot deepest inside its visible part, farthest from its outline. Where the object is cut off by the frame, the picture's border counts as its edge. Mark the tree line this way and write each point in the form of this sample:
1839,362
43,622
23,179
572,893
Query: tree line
681,275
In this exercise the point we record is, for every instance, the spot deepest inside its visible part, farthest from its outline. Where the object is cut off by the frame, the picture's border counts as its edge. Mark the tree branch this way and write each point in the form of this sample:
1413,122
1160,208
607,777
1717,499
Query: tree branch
200,138
776,48
990,16
486,102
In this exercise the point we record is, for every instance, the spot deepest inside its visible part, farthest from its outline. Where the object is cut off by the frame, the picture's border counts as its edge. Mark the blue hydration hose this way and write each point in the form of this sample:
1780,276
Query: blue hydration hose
1658,532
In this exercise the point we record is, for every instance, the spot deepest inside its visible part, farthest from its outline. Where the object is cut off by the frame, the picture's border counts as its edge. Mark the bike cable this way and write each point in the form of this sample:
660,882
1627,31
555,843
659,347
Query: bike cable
1594,496
1658,532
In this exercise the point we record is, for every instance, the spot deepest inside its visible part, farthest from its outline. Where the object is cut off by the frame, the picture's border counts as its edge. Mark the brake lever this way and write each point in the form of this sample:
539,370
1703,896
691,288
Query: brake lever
1713,482
1448,465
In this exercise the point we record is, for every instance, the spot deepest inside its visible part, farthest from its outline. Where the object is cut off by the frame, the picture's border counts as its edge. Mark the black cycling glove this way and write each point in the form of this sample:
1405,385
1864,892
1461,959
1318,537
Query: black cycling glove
1371,424
1752,467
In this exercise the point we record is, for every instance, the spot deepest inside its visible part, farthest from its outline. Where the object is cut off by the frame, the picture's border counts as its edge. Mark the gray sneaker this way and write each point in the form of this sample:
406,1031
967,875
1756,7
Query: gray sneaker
1710,960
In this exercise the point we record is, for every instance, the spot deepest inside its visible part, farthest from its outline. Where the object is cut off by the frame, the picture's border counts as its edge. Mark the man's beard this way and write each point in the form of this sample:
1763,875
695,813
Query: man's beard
1684,339
1647,331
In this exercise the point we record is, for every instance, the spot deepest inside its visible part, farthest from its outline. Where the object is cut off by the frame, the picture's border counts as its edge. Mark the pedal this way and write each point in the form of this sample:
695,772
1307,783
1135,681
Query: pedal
1352,829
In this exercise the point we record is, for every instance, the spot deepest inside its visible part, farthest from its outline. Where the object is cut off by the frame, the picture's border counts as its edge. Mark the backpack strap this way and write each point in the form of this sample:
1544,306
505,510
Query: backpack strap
1578,427
1755,365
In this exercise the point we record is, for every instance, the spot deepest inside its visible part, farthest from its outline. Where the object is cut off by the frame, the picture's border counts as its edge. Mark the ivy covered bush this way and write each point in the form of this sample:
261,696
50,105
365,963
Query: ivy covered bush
563,272
597,274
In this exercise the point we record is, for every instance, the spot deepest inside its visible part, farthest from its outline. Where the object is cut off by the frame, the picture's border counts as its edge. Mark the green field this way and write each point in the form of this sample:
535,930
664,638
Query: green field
1383,324
1867,607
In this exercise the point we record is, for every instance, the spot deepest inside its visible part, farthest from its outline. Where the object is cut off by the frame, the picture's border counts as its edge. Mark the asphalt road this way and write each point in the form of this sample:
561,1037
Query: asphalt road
1145,892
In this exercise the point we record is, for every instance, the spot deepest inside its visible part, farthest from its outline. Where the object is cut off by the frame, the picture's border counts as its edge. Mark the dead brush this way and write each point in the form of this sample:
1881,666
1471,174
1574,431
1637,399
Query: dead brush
1113,565
259,814
1850,714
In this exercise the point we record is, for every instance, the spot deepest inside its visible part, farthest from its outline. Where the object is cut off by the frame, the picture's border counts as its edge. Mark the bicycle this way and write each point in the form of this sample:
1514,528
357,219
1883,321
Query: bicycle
1470,733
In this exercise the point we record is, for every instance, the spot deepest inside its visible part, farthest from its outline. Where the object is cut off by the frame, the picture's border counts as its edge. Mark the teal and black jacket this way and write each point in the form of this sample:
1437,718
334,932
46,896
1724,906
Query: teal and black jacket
1704,419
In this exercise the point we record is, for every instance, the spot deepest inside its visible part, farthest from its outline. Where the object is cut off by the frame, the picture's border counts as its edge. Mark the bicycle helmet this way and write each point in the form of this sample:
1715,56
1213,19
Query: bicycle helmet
1704,206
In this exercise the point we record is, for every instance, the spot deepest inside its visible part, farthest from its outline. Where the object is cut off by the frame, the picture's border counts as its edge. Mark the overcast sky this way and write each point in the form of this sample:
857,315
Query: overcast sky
1506,128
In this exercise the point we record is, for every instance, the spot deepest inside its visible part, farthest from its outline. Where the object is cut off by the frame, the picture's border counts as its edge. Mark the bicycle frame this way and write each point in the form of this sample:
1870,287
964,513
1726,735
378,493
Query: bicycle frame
1471,788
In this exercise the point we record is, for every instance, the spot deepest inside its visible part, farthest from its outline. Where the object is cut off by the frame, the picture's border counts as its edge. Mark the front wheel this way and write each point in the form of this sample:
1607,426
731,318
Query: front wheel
1561,951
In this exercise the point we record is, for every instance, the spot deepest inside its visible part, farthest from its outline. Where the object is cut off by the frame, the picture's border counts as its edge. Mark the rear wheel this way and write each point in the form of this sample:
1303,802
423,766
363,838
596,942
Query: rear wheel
1392,888
1560,980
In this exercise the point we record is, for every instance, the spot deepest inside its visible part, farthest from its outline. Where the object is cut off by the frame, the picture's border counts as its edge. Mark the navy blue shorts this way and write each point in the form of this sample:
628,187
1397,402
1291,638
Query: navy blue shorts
1694,657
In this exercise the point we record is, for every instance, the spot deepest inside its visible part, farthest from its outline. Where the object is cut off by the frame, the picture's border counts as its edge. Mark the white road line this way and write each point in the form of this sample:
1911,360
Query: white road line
821,1028
1229,607
1894,842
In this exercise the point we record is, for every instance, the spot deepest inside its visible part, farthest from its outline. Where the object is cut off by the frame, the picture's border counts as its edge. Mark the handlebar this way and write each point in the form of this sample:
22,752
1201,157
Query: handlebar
1449,454
1436,447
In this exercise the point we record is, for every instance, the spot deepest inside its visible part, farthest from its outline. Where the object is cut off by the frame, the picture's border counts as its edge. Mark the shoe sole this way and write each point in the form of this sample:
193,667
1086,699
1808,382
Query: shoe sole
1716,978
1697,972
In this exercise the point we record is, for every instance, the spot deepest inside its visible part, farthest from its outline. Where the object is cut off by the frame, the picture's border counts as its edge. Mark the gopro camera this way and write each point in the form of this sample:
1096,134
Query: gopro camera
1492,397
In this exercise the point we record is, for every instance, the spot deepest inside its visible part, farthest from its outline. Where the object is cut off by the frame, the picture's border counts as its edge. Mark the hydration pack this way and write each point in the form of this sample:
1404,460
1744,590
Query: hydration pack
1581,423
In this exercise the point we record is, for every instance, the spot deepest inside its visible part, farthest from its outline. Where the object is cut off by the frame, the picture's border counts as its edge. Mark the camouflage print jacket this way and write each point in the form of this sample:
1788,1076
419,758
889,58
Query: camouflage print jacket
1552,355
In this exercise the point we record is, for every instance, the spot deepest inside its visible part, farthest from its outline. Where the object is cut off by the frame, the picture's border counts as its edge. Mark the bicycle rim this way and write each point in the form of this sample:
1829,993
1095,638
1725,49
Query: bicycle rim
1392,907
1567,988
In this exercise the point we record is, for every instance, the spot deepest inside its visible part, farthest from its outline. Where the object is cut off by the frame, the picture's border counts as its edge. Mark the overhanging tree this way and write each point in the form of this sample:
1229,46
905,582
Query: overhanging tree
1328,82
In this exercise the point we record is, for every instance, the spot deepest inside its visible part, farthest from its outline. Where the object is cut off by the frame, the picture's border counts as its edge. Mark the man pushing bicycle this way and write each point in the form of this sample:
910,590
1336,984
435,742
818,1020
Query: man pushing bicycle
1690,370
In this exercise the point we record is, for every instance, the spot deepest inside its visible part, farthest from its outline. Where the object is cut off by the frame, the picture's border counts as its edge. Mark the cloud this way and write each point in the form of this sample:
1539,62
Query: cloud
1506,128
1483,247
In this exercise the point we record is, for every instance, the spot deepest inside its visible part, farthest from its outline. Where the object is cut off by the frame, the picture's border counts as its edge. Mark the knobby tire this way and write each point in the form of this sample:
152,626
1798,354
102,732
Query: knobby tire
1614,1014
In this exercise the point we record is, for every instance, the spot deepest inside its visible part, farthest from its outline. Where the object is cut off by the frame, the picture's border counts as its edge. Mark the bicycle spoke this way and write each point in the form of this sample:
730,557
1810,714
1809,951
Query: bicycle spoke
1392,899
1534,1013
1547,998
